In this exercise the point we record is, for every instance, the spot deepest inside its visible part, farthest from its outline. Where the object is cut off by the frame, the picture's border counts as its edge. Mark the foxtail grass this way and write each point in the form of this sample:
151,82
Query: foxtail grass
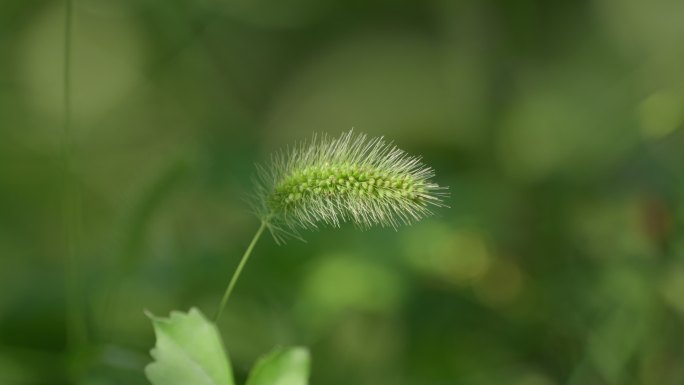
329,181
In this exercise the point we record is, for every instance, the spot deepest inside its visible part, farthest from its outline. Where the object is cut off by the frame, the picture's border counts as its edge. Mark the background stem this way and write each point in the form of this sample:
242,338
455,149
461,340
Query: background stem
238,270
76,330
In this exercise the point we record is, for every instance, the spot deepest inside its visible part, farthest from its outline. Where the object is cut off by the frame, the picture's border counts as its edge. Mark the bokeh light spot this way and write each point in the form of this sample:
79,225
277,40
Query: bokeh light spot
106,60
341,282
661,113
455,256
502,284
672,288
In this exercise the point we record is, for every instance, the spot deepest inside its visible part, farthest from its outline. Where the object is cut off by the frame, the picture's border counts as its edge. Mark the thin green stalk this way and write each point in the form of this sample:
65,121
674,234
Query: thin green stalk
71,202
238,271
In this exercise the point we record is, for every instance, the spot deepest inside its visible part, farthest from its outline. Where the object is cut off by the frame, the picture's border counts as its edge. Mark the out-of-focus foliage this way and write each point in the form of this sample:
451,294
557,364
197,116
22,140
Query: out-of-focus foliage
557,124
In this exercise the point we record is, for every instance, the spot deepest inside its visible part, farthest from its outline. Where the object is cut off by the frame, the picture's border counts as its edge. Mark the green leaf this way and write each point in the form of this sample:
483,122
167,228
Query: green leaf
282,367
189,351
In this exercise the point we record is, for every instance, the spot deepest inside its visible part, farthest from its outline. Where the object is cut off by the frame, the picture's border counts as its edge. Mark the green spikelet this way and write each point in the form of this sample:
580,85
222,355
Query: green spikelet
350,178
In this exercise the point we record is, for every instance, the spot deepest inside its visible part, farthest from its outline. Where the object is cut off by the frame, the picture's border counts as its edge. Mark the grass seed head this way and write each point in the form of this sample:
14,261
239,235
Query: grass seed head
350,178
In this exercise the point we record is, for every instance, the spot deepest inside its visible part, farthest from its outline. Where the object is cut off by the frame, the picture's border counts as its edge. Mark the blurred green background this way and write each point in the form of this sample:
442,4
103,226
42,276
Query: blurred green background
557,125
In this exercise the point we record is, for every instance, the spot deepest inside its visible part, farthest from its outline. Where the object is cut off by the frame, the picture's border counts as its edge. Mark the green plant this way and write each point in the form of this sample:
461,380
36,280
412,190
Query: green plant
325,180
350,178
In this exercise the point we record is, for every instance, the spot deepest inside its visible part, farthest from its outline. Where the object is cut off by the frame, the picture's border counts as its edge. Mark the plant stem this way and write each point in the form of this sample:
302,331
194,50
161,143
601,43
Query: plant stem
238,270
76,333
